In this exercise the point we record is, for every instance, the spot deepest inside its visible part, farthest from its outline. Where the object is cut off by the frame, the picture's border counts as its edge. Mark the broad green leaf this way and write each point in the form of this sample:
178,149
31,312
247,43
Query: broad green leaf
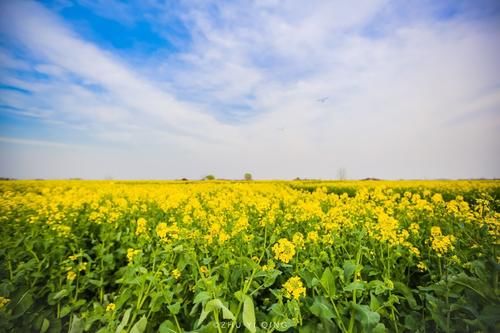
45,325
174,308
379,328
66,310
215,304
167,327
283,325
406,292
321,309
349,269
124,322
201,297
76,325
367,318
356,285
140,326
23,304
377,286
328,282
271,277
60,294
249,314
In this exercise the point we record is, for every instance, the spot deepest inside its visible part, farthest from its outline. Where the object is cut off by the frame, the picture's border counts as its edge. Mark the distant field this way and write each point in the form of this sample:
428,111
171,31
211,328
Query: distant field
257,256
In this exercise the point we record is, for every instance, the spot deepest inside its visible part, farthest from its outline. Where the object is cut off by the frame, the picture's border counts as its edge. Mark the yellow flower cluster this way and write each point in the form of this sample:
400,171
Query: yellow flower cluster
131,254
3,301
441,244
176,274
284,250
161,230
203,270
142,227
298,240
110,307
71,275
294,288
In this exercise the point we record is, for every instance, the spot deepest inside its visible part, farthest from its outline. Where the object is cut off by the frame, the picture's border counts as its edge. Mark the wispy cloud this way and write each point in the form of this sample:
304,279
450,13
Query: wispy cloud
35,142
408,90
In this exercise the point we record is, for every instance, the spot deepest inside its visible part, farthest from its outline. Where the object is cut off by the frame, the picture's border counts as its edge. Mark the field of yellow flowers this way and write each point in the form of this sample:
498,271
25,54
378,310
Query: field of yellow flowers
374,256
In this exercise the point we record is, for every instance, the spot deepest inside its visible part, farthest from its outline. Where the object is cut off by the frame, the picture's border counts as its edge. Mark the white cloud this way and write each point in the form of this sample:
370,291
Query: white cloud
311,91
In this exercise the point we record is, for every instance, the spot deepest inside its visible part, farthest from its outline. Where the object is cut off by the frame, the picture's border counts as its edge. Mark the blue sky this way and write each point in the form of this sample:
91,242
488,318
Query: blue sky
282,89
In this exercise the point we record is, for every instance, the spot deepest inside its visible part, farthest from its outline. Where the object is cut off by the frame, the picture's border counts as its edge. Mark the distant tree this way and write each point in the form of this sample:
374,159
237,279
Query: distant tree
209,177
341,174
248,176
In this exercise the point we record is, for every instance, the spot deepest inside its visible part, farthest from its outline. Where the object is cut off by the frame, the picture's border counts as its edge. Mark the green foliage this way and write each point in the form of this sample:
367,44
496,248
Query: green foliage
354,282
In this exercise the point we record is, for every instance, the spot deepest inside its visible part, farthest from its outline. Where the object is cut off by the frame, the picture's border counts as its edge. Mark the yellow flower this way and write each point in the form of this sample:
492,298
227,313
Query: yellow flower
223,236
131,254
73,258
82,266
111,307
422,266
203,269
284,250
442,244
414,228
71,276
415,251
176,274
298,239
437,198
269,266
435,231
312,236
294,288
141,226
3,301
161,230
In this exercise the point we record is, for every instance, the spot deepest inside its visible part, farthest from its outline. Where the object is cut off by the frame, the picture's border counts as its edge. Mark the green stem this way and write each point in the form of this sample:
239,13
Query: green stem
340,322
177,324
216,315
354,293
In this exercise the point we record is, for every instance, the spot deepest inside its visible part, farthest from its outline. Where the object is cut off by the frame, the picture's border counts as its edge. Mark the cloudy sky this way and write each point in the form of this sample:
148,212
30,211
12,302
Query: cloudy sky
281,89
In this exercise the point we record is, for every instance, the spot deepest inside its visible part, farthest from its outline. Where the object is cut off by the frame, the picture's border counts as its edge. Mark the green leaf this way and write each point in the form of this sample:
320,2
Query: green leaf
249,314
367,318
380,328
349,268
23,304
271,277
124,322
45,325
174,308
226,313
76,325
356,285
140,326
374,302
377,286
167,327
66,310
283,325
321,309
215,304
201,297
406,292
61,294
328,282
